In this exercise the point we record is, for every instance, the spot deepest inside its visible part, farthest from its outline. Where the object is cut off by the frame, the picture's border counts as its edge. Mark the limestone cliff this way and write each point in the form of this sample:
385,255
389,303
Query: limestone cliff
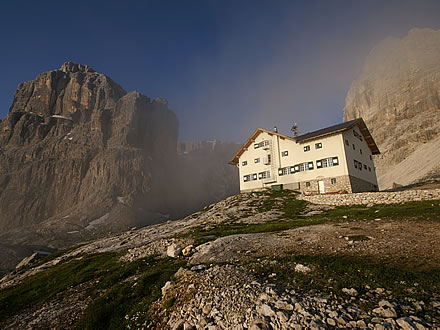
80,157
398,96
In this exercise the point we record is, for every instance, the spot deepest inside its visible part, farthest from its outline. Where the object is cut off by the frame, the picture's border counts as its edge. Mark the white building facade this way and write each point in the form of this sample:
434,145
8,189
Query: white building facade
333,159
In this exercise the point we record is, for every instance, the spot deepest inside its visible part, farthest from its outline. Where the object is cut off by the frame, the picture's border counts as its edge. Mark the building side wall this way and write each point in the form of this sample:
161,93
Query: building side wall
249,156
357,150
359,185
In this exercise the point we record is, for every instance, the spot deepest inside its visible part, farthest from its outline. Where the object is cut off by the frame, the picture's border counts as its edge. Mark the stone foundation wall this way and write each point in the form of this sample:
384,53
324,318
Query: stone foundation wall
365,198
359,185
342,184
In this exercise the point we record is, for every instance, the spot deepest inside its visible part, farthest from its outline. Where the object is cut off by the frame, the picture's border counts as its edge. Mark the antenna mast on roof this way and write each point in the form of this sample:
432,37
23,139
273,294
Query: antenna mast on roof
294,129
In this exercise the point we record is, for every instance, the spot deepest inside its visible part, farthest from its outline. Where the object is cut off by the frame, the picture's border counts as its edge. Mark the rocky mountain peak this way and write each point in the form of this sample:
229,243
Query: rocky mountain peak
85,147
74,67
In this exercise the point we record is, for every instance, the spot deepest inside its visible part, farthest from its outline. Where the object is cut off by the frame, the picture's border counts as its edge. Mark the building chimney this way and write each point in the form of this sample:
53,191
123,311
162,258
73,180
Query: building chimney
275,129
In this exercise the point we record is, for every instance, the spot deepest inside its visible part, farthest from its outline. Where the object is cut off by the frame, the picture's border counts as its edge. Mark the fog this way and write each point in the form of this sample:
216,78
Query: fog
297,71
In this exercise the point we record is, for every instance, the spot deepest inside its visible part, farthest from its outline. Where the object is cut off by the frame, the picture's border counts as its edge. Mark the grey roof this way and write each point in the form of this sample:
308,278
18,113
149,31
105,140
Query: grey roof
328,130
343,127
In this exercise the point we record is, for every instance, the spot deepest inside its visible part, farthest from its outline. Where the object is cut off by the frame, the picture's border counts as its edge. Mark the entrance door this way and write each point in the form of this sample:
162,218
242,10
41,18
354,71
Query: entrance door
321,186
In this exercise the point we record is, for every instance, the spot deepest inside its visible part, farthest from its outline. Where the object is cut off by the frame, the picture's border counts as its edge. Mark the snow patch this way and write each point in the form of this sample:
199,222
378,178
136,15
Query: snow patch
73,232
98,221
120,199
62,117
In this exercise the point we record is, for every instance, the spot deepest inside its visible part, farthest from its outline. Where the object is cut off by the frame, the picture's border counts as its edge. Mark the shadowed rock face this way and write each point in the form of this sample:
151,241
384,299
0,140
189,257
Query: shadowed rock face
398,96
74,148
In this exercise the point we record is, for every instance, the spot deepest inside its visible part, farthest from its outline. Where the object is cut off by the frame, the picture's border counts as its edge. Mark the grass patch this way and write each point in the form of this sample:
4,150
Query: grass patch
422,210
331,274
113,296
126,304
168,303
358,238
42,286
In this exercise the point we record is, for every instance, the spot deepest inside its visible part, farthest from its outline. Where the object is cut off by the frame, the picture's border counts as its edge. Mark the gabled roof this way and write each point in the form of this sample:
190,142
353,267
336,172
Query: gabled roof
340,128
251,139
314,135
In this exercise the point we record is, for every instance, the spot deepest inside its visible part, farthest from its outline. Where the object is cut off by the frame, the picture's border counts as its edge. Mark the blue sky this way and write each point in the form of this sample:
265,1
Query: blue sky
226,67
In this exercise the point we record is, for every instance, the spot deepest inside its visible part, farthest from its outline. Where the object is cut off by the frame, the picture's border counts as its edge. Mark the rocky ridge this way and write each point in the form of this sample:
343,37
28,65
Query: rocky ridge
397,95
222,285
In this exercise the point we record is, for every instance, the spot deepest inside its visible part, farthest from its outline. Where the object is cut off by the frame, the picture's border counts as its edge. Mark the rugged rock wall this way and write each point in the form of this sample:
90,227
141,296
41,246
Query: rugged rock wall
78,156
398,96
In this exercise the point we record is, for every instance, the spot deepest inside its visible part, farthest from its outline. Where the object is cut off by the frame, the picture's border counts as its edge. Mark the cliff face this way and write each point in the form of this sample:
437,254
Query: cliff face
79,156
398,96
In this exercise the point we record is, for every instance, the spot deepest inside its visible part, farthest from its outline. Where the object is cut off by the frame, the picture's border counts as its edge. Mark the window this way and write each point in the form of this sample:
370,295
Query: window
308,184
333,180
318,145
246,178
256,160
264,175
283,171
371,158
254,177
285,153
360,166
355,163
360,151
357,135
346,142
327,162
354,148
244,163
261,144
304,167
365,167
369,168
306,148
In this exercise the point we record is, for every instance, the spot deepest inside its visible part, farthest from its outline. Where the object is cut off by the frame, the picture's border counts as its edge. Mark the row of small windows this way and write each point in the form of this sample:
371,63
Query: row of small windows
261,144
317,146
255,176
307,166
359,166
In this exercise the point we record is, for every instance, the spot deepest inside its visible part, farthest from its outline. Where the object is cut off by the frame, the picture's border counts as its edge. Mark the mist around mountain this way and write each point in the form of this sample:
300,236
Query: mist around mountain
81,158
398,96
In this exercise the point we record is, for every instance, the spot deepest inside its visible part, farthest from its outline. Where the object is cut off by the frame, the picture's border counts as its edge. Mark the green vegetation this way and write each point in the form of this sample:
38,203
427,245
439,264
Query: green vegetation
331,274
423,210
114,294
291,210
358,238
127,302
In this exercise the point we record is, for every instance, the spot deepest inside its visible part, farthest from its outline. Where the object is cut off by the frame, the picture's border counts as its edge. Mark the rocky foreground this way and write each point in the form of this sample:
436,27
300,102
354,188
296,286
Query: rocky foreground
253,261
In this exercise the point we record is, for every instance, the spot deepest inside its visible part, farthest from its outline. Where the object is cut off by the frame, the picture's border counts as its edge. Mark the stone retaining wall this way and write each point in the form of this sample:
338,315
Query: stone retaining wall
394,197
